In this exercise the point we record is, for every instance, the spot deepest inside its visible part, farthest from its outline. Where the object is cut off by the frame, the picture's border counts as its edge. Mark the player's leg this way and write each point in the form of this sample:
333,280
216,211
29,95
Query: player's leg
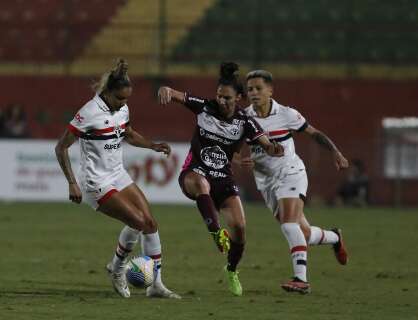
235,219
197,187
289,213
116,206
318,236
150,239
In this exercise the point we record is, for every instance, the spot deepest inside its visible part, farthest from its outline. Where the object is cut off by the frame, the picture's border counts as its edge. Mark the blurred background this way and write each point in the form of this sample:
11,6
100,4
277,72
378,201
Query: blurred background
349,66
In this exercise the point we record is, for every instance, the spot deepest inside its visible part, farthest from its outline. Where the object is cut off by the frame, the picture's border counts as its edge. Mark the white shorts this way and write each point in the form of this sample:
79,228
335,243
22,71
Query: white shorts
96,197
294,184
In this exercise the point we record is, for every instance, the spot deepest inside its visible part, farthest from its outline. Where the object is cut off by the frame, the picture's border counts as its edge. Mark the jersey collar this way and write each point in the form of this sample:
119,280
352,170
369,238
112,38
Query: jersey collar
273,107
100,102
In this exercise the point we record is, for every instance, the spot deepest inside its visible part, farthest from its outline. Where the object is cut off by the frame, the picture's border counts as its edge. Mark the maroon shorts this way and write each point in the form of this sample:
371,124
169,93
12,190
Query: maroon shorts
220,188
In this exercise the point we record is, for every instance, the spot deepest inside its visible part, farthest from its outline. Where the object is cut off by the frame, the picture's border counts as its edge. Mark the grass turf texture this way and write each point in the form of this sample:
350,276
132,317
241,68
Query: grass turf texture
53,257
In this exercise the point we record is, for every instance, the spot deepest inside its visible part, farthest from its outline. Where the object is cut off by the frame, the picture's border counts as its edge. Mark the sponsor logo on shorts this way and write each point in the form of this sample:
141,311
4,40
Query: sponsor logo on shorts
217,174
199,171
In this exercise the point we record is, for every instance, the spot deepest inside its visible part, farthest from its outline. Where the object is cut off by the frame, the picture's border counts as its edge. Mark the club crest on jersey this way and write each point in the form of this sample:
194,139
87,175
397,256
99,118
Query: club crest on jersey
118,131
106,122
234,130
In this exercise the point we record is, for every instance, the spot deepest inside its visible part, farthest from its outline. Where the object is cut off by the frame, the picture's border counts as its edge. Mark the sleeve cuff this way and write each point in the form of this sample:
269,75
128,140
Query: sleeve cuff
74,130
303,127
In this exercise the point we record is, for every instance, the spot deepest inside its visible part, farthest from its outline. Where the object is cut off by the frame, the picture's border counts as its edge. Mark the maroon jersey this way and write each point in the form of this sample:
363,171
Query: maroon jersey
216,139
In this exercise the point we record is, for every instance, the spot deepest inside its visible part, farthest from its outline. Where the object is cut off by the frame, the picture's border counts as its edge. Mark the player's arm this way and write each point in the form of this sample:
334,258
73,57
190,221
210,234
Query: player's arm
61,151
272,148
324,141
167,95
254,133
194,104
135,139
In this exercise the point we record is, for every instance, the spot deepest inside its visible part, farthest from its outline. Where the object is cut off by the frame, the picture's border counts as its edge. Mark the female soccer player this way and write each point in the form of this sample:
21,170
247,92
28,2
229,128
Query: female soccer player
283,181
101,125
207,177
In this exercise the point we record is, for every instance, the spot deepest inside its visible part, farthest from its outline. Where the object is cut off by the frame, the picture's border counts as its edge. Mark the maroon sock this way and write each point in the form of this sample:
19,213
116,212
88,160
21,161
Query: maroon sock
208,211
235,255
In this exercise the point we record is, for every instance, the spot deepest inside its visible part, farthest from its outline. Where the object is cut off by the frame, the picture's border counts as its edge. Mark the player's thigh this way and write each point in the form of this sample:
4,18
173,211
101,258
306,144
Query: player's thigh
136,197
119,208
233,213
195,184
290,210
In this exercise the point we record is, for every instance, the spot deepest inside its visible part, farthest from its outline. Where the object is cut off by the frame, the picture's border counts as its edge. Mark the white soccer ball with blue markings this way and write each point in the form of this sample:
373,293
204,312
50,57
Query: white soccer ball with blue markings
141,271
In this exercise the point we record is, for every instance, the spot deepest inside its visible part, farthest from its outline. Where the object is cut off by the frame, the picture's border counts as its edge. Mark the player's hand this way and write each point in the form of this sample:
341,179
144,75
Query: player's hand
164,95
161,147
75,193
246,163
340,161
275,149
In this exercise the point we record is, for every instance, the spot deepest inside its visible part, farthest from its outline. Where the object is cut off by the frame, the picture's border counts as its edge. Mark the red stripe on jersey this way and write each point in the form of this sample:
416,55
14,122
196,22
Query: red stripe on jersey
74,130
155,256
298,248
106,196
278,132
107,130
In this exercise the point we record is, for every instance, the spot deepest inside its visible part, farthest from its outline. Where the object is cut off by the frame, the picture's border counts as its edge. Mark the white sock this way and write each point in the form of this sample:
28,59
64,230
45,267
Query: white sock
127,240
298,248
321,236
151,246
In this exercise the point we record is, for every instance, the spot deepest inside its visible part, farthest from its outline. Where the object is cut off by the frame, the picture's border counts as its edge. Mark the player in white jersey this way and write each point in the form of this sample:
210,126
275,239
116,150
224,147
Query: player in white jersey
101,125
283,181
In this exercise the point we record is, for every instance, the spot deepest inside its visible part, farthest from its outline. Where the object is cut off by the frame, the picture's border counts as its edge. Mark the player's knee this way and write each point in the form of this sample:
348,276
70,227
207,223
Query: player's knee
150,225
306,231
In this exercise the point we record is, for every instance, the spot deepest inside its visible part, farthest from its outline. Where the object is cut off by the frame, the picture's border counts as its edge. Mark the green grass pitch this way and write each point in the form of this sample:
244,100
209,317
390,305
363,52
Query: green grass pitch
52,259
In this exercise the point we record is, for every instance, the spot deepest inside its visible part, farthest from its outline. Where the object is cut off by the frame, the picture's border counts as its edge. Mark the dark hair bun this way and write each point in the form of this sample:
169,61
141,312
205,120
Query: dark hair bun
229,70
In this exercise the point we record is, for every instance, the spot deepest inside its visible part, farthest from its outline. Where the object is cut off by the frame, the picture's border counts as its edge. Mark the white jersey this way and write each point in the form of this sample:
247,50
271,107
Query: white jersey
278,125
101,132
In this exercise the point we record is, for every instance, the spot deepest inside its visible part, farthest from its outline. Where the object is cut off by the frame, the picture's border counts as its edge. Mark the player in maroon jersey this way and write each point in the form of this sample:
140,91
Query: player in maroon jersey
206,176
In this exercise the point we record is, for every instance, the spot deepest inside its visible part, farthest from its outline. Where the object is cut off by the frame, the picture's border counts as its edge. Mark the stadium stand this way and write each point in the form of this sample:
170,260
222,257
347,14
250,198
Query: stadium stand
304,31
50,31
136,33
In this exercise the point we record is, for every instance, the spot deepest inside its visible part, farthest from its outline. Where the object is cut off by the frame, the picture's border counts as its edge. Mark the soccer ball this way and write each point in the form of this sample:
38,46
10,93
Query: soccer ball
141,271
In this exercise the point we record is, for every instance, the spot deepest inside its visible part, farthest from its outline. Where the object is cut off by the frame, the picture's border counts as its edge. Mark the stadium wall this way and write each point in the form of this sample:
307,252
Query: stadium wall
349,111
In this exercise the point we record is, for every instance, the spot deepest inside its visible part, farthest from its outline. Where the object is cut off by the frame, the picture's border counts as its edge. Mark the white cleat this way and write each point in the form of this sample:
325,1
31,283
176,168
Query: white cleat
119,281
160,291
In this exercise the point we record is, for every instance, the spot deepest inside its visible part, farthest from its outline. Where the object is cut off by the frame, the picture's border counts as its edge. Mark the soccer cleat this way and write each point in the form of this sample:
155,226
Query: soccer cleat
339,248
297,285
233,282
119,281
160,291
222,241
